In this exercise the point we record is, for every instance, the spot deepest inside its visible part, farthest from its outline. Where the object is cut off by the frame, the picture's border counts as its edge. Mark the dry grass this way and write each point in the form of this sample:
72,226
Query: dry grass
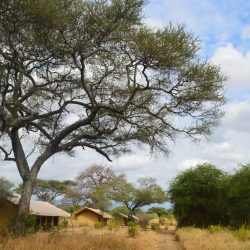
89,238
76,241
195,239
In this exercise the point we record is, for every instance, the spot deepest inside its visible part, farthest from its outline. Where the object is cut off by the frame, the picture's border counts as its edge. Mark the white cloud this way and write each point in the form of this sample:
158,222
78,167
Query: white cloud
234,64
237,116
224,153
186,164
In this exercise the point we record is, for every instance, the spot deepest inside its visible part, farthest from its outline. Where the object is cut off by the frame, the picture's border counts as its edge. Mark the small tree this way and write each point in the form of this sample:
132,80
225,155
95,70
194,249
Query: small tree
160,211
199,196
144,219
92,177
72,197
92,184
6,188
146,193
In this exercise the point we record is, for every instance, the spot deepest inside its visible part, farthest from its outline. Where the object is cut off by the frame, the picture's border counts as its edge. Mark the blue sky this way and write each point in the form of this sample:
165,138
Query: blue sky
224,30
215,22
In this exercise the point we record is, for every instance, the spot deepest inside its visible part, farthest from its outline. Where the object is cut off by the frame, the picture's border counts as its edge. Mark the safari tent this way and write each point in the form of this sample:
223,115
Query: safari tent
47,215
91,216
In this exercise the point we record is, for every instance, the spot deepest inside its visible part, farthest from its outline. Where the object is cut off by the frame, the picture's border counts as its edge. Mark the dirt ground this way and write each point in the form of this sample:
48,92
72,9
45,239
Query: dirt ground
152,240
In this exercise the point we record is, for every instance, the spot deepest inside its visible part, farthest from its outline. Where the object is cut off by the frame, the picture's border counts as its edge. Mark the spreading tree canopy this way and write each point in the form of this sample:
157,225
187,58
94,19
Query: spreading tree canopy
90,74
49,190
133,197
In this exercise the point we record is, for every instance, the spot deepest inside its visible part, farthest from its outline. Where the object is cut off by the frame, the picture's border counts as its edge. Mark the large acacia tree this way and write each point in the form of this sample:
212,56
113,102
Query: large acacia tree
90,74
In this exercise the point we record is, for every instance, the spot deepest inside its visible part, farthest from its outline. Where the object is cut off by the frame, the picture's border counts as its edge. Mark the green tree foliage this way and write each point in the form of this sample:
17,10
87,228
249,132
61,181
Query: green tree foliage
120,209
49,190
198,195
160,211
239,196
6,188
133,197
124,82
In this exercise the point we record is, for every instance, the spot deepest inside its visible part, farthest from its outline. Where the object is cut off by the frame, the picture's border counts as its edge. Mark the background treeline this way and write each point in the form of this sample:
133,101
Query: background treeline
97,187
201,196
205,195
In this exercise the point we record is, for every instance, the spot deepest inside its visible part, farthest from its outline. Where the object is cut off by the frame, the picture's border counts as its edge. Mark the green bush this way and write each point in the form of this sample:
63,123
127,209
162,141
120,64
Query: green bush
162,221
99,225
30,224
133,229
242,233
65,223
155,226
216,229
112,225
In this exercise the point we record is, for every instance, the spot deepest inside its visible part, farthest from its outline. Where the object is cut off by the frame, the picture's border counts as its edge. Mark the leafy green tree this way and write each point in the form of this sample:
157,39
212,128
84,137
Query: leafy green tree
160,211
99,198
239,197
134,197
120,209
6,188
198,196
49,190
123,82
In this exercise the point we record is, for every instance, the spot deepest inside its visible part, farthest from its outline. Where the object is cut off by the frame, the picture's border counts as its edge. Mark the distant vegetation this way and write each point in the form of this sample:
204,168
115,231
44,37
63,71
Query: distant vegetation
6,188
204,196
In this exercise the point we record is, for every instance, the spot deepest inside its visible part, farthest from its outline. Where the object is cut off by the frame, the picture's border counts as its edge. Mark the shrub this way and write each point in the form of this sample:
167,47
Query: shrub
112,225
170,216
65,223
162,221
155,226
99,225
30,224
242,233
133,229
144,219
216,229
172,223
4,231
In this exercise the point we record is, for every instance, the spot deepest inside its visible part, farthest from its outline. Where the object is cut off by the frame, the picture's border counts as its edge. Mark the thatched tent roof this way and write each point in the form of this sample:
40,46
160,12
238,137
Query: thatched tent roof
42,208
96,211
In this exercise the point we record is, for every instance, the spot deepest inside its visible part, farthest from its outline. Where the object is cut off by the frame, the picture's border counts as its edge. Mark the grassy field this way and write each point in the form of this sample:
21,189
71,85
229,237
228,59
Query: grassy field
94,239
76,241
214,239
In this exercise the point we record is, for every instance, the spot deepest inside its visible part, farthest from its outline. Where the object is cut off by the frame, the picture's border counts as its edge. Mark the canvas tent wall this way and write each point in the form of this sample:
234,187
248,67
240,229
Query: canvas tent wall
8,212
91,216
47,215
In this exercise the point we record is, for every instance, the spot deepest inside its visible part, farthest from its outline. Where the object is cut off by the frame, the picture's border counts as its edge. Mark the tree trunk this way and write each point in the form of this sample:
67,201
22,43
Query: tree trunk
24,206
